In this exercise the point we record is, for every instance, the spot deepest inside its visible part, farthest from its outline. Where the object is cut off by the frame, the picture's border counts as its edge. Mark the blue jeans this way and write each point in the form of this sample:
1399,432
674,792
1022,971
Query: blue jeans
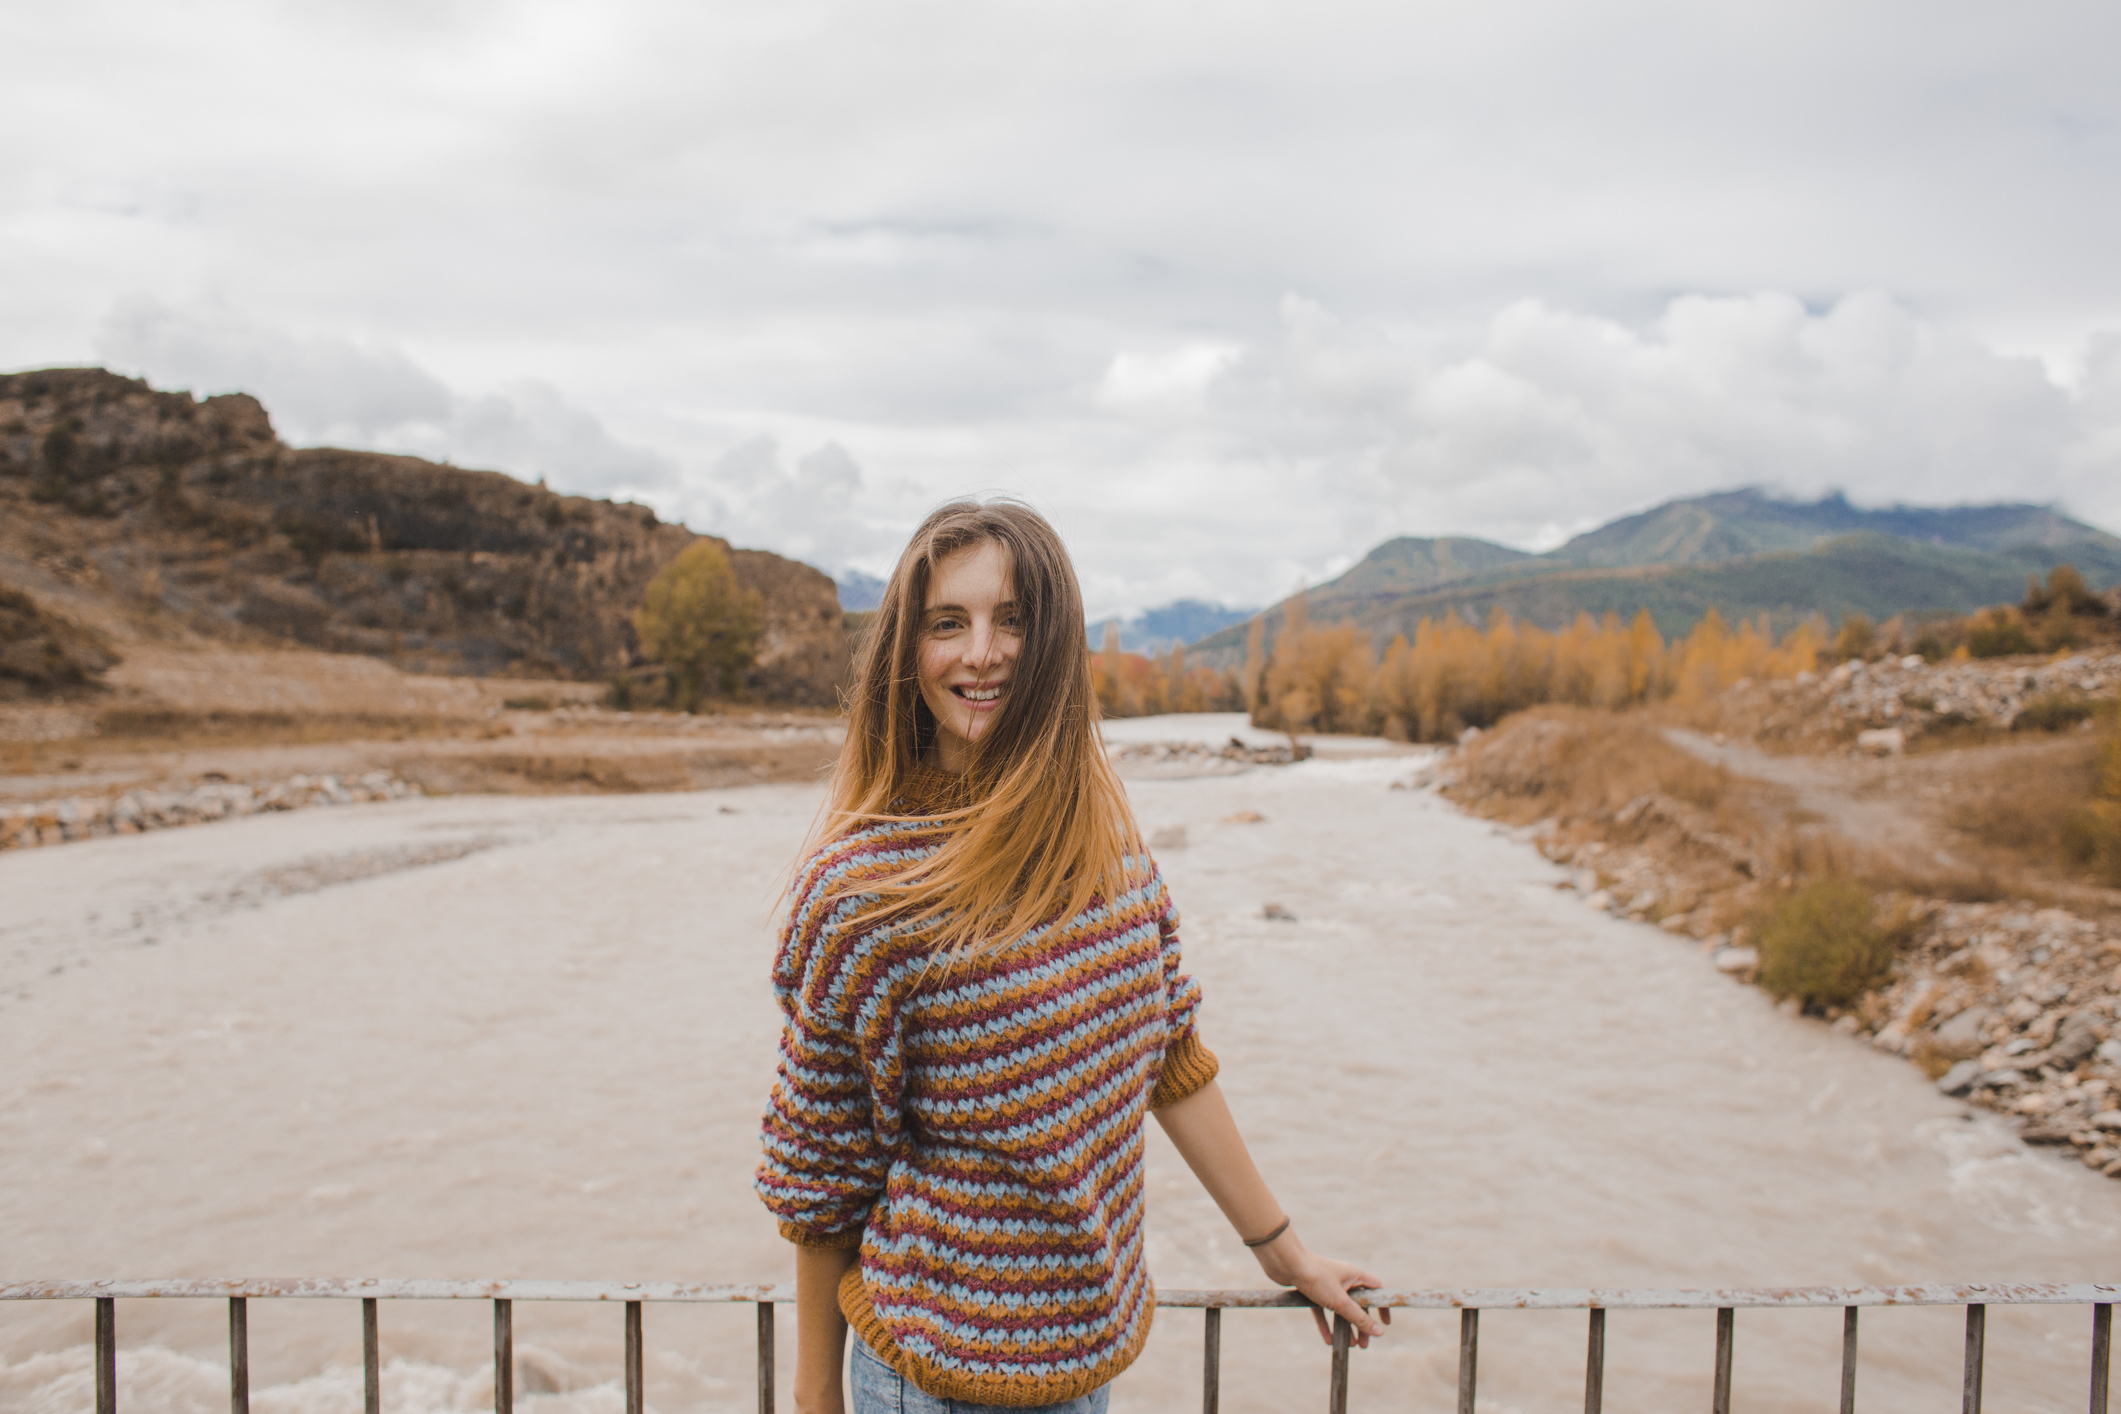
879,1389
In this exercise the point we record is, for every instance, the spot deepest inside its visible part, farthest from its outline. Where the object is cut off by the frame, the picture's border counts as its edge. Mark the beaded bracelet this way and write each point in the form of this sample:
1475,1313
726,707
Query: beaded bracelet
1263,1241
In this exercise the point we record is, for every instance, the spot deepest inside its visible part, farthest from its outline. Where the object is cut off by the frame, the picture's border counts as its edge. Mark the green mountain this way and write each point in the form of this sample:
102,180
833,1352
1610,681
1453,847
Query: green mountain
1742,553
1725,526
1410,565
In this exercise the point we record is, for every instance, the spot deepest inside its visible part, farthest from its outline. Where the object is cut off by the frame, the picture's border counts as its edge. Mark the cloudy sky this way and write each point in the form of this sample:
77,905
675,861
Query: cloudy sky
1232,291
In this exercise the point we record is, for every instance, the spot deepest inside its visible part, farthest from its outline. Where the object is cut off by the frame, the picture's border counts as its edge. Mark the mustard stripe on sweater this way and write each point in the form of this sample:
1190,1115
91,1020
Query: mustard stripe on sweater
978,1135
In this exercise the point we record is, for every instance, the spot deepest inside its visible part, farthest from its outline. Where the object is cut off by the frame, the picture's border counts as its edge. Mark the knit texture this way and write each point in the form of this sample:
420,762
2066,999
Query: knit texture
977,1131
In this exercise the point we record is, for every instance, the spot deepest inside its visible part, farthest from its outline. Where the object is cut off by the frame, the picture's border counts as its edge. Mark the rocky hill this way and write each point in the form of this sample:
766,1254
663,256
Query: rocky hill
1743,553
127,513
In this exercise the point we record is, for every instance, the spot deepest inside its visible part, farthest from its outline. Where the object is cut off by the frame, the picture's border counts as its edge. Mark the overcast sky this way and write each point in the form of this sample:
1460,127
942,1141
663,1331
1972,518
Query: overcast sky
1232,291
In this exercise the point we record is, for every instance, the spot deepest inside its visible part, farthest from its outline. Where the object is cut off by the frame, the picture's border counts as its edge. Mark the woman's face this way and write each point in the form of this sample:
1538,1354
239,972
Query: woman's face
971,632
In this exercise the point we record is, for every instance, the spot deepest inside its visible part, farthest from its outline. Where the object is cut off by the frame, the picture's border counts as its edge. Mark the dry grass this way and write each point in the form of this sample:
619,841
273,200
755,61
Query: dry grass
160,728
1578,762
583,769
2046,813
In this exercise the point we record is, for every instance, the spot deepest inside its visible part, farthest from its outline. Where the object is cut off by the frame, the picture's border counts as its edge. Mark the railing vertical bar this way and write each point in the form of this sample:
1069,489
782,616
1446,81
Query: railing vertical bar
1468,1357
504,1357
765,1357
1594,1364
1211,1362
1848,1360
371,1358
106,1355
1337,1383
238,1356
1976,1327
2102,1352
635,1398
1726,1337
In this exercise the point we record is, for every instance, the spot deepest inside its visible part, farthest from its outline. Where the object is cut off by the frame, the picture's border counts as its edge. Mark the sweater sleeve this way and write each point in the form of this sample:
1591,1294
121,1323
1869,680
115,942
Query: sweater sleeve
824,1164
1187,1065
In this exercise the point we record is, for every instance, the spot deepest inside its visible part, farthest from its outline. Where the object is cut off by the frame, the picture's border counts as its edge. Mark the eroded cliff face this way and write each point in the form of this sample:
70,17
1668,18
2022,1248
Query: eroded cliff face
130,511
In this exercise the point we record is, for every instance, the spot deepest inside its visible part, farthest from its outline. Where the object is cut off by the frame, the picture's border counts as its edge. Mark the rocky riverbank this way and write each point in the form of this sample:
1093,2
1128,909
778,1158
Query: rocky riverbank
1888,705
49,822
2006,1001
2010,1006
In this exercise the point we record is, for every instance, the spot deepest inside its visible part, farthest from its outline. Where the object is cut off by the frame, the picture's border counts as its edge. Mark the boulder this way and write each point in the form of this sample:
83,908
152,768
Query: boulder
1961,1036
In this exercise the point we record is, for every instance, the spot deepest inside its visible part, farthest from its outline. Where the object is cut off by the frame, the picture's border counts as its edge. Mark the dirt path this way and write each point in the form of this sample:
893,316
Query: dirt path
1898,806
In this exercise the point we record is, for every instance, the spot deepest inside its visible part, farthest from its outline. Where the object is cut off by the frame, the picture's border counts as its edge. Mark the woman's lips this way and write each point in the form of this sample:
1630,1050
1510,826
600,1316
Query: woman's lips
980,697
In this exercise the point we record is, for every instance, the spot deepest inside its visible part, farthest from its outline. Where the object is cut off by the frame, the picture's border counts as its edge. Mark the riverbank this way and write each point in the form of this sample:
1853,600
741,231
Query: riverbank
2004,983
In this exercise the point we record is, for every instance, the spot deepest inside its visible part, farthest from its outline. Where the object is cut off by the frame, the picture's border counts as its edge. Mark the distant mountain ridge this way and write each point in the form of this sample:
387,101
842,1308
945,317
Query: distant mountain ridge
1742,553
1160,629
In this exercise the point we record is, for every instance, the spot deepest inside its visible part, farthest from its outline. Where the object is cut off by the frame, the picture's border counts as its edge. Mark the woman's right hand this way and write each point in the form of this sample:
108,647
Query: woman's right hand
1326,1284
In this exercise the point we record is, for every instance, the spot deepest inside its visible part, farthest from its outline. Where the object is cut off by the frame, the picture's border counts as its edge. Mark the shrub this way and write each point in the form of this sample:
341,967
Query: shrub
1856,639
2052,712
1823,946
1999,634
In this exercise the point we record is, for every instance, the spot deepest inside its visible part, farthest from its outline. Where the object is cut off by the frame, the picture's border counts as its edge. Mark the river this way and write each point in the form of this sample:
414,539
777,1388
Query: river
503,1036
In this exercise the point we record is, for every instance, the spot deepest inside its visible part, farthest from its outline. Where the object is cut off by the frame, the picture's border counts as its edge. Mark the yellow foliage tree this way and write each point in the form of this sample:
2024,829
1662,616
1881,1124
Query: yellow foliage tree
699,624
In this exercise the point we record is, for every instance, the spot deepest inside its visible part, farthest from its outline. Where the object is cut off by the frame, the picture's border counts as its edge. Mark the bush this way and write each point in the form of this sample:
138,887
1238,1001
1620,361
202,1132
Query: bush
1823,946
1999,634
2052,712
1856,639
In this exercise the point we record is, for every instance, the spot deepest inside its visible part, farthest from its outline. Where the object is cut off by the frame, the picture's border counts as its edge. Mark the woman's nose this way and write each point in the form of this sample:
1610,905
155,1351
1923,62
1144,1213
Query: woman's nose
983,650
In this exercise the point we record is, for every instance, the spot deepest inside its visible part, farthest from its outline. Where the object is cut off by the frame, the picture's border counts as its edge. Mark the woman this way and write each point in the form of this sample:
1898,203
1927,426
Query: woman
979,974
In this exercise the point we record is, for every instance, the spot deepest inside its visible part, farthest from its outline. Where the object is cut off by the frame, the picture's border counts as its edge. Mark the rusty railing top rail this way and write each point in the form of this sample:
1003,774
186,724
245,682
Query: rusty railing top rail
1474,1299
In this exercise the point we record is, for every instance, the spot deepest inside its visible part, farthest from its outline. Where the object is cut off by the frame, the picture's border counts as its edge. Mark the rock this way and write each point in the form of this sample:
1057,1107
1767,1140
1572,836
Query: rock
1961,1036
2078,1039
1244,817
1882,741
1960,1078
1601,900
1736,959
2110,1051
2003,1079
2107,1119
2022,1011
1277,913
2046,1134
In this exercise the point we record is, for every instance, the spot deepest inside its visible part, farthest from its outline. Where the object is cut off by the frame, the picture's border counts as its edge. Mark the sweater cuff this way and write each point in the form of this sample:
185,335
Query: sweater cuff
804,1237
1188,1066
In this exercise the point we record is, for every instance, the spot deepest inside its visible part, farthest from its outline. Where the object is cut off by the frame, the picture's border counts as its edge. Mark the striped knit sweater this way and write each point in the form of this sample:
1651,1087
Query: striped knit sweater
979,1135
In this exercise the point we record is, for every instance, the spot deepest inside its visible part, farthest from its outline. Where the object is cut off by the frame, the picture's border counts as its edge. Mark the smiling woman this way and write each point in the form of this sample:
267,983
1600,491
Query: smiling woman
979,975
971,631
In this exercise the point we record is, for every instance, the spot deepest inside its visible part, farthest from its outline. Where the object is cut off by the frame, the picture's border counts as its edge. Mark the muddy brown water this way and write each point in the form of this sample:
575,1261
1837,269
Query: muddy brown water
531,1036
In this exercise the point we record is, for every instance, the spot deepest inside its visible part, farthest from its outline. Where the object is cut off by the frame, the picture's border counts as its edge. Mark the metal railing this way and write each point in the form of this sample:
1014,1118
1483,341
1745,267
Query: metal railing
1726,1303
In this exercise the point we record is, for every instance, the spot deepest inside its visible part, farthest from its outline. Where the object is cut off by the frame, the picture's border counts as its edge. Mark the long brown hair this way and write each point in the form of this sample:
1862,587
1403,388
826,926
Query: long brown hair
1038,823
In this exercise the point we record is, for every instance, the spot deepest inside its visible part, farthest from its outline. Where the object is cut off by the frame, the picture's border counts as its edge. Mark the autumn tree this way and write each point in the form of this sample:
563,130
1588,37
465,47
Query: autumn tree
699,624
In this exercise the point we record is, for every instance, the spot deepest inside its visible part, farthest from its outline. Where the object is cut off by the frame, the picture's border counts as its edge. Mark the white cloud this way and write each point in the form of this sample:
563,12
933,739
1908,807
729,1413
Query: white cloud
1044,247
1553,421
327,390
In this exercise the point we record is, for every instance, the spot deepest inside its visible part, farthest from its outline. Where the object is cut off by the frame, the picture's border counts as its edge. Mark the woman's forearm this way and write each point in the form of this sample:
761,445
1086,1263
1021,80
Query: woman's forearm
1205,1135
820,1329
1204,1132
